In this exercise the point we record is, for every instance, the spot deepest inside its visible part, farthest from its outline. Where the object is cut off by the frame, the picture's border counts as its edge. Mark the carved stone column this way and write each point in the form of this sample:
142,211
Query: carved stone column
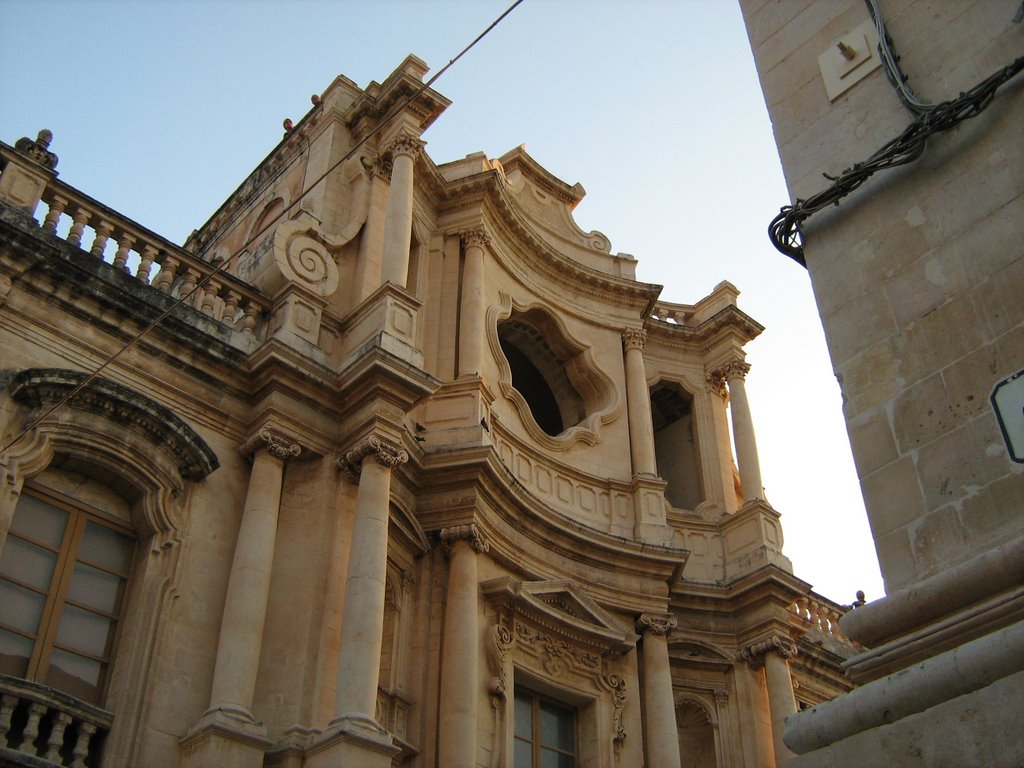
245,606
460,686
638,402
471,316
371,242
742,427
362,617
772,654
398,219
660,730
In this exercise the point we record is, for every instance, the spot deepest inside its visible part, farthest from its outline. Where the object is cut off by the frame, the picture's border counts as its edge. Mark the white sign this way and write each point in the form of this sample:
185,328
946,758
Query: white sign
1008,402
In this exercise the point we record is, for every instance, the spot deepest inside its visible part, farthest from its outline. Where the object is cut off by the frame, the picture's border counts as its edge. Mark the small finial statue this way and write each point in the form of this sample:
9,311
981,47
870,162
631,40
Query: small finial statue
38,150
860,599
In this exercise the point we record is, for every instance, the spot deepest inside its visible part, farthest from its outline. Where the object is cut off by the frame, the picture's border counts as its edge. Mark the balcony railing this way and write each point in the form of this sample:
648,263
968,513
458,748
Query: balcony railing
814,612
50,726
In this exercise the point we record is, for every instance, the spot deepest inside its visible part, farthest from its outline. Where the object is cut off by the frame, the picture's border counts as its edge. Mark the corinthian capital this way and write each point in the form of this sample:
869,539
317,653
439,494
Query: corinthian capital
405,144
386,453
656,624
468,533
477,237
634,338
754,654
276,445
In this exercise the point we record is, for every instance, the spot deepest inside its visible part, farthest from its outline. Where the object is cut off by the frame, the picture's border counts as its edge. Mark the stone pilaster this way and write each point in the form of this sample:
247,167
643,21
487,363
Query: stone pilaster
660,730
734,373
398,218
460,682
772,654
472,312
228,734
638,403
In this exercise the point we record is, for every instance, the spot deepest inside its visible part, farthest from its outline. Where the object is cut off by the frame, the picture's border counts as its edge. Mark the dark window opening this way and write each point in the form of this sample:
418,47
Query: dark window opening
675,445
545,733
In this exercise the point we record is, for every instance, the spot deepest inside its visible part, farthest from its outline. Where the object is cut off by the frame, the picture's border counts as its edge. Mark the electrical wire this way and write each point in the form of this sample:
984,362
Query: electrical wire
785,230
257,235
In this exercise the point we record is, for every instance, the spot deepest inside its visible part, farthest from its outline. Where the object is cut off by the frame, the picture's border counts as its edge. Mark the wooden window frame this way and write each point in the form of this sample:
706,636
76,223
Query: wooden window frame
535,742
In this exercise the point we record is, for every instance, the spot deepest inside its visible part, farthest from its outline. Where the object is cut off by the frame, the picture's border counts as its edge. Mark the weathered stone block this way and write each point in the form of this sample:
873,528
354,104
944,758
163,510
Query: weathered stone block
893,496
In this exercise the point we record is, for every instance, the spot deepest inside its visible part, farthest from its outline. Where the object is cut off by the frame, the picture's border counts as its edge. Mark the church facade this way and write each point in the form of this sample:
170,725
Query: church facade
416,474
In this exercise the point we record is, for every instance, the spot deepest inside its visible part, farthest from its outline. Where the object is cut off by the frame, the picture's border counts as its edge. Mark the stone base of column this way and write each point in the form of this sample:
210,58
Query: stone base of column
225,739
753,539
352,741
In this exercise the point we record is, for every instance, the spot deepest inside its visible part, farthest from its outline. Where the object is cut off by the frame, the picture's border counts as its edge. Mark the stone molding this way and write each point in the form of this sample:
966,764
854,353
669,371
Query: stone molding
469,533
277,445
634,338
38,150
754,653
475,237
660,624
386,453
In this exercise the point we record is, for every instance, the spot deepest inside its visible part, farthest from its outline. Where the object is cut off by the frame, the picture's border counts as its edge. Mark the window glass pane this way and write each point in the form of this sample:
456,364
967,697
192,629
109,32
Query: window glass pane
556,727
95,588
39,520
524,715
19,608
74,674
524,754
15,651
84,631
106,548
27,563
551,759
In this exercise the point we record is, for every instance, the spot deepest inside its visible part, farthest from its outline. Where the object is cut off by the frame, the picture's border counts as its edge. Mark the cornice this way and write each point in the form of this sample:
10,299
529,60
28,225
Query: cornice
708,334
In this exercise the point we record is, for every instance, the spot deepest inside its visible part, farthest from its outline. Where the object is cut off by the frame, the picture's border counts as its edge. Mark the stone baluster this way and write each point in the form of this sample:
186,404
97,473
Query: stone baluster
472,314
104,229
36,711
249,315
245,605
459,683
55,743
148,256
659,704
56,210
638,404
208,303
168,271
79,218
125,243
7,704
80,752
230,307
398,217
188,285
362,619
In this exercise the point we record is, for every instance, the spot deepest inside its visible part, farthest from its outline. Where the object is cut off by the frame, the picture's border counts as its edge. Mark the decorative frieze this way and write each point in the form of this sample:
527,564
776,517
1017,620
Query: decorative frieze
386,453
754,653
276,445
634,338
469,533
656,624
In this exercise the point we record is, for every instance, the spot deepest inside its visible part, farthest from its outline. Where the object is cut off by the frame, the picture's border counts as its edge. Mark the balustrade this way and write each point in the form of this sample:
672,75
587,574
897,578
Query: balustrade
821,614
678,314
227,299
48,725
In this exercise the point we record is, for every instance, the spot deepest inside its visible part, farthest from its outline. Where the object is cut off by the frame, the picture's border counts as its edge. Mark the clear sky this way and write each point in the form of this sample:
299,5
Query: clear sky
160,109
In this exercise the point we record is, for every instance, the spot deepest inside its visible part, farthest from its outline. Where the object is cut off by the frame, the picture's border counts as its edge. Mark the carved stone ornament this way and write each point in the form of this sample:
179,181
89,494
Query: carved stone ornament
385,452
754,654
716,383
474,237
405,144
634,338
276,445
617,684
499,640
38,150
656,624
468,533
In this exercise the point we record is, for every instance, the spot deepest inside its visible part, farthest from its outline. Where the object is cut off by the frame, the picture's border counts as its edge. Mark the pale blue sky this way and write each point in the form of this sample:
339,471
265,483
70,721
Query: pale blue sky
159,109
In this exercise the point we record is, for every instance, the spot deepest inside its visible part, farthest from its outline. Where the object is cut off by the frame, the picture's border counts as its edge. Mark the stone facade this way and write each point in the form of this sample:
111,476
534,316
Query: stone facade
414,457
918,276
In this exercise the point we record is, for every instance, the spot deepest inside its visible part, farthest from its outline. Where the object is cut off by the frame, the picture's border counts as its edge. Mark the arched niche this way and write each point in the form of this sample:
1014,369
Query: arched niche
143,453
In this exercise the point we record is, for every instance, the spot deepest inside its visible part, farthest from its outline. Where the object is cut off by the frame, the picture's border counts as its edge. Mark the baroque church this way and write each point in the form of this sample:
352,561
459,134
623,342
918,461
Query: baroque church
390,464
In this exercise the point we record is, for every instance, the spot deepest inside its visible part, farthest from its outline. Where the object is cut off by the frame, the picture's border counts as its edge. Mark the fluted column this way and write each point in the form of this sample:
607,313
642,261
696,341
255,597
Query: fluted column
660,730
245,606
471,315
638,403
742,427
460,686
772,654
398,219
362,617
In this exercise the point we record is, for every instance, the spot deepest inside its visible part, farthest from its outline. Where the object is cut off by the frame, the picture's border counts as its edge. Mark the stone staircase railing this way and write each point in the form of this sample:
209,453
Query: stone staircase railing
127,245
54,728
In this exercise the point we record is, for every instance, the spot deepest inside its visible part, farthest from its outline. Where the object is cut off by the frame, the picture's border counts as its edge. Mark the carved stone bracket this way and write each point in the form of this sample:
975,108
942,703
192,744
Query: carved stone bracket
38,150
477,237
634,338
276,445
754,654
656,623
469,533
617,684
499,640
385,452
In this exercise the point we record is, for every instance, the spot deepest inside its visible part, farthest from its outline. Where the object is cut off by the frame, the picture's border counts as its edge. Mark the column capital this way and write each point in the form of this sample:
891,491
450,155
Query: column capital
477,237
276,444
469,533
634,338
656,624
718,377
386,453
754,653
405,144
